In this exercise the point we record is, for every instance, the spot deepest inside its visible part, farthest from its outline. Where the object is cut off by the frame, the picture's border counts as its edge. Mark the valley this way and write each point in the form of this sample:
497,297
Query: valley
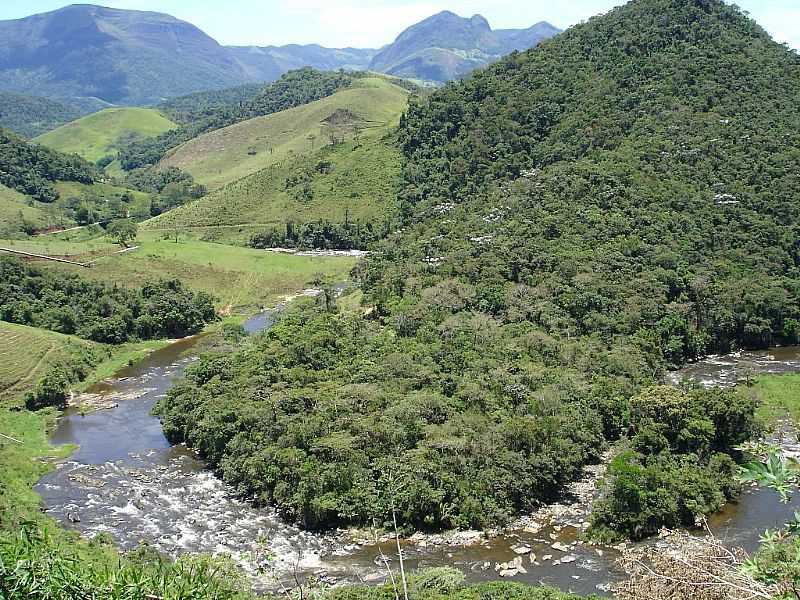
481,314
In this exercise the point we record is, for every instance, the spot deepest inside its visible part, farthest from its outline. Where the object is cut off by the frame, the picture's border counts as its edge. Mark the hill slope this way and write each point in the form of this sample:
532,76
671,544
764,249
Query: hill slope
226,155
118,56
201,113
580,216
27,352
446,46
639,156
32,169
19,212
100,134
351,182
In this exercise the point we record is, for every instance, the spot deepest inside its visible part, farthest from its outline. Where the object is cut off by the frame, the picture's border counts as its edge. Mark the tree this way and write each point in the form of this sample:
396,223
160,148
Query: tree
122,231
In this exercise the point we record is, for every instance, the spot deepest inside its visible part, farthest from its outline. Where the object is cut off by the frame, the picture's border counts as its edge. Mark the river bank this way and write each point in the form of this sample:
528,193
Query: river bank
126,480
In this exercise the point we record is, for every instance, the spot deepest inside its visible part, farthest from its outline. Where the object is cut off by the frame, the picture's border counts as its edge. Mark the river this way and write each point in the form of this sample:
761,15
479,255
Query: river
125,479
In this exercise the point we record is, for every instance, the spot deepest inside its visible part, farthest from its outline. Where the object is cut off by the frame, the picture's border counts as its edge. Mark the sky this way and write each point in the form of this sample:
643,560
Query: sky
373,23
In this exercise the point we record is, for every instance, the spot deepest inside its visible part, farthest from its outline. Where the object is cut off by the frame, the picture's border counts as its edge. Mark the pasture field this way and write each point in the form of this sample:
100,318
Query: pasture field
241,279
98,193
351,181
98,134
779,396
27,352
229,154
16,207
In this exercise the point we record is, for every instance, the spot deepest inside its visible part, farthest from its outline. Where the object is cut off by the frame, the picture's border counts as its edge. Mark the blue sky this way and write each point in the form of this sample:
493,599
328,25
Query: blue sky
372,23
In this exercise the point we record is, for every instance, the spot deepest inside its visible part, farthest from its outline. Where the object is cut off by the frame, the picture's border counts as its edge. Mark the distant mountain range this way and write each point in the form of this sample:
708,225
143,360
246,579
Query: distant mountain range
446,46
135,57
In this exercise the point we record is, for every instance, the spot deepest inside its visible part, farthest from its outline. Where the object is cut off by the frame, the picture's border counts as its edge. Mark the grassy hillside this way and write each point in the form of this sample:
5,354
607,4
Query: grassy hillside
779,396
227,155
27,352
98,194
359,181
18,211
243,278
98,135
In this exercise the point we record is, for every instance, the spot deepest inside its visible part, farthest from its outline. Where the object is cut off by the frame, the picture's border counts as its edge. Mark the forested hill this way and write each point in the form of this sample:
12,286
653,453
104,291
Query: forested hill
32,169
579,217
637,175
31,116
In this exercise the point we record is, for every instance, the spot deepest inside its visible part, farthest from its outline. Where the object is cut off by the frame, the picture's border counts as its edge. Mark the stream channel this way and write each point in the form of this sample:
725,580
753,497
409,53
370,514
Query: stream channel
127,480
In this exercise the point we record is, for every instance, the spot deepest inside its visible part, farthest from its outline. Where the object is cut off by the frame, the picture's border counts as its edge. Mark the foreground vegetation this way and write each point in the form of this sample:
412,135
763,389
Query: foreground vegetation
678,463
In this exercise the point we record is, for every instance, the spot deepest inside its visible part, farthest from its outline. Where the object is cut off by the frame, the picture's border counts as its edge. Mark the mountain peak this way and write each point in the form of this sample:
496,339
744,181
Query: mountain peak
480,22
87,50
446,46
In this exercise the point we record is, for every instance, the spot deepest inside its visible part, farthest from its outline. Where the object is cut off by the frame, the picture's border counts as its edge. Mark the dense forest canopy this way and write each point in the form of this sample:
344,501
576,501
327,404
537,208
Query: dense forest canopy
186,109
292,89
96,311
578,218
638,176
30,116
32,169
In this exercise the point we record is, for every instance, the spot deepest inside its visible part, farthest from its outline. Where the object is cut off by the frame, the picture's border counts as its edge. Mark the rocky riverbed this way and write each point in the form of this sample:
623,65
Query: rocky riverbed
128,481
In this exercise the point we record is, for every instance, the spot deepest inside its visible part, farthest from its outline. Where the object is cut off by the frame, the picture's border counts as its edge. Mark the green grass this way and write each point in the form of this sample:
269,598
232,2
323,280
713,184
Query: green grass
363,185
13,204
62,245
102,192
27,352
25,355
97,135
42,215
779,396
244,279
227,155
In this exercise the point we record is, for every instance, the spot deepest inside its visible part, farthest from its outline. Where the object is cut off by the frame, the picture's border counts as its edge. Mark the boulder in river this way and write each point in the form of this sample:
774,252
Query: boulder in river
521,549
